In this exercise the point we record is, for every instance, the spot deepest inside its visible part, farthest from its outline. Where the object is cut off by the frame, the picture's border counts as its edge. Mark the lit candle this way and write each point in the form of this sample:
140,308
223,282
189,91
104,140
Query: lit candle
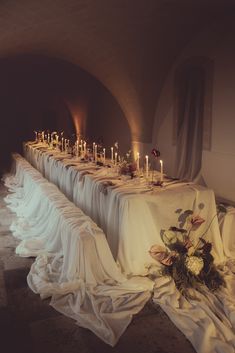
95,153
112,154
147,166
115,158
161,164
137,161
84,148
93,150
48,139
62,144
104,155
81,146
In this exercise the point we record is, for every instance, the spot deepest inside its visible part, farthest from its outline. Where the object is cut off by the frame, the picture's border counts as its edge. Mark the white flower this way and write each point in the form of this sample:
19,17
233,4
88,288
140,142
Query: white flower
169,237
194,264
191,251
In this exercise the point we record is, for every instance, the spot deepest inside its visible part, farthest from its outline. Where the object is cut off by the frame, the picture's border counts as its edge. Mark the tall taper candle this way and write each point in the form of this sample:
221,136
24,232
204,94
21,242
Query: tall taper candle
137,161
104,155
161,176
147,166
95,153
112,154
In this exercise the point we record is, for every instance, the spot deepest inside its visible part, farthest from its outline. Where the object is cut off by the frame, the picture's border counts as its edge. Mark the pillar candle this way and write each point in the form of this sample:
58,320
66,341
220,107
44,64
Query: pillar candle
115,158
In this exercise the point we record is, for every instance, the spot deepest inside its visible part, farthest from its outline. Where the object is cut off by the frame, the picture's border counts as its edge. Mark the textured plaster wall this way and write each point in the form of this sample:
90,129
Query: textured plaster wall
107,122
128,45
39,93
218,164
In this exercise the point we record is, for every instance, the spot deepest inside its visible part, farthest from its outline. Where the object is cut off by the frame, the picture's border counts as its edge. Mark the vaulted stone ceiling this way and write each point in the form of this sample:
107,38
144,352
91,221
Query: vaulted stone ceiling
129,45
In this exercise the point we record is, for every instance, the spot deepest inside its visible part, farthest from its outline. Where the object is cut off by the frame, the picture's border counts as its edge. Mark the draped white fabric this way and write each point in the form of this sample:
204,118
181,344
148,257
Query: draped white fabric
227,226
74,264
130,214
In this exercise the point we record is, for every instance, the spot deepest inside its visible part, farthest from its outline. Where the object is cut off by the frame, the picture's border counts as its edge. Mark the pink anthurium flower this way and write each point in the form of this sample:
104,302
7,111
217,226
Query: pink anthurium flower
187,243
158,252
161,254
195,222
168,261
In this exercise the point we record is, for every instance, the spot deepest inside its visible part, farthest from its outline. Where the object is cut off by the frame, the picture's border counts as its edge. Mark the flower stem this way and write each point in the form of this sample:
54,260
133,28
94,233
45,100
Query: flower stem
205,231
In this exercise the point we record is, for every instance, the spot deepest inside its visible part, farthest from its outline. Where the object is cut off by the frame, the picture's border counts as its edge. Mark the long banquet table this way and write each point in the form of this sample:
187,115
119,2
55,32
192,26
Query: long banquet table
130,212
73,267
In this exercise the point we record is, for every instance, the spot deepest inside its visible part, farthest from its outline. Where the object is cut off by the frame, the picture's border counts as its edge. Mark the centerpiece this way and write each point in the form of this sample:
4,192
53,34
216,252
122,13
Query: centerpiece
127,166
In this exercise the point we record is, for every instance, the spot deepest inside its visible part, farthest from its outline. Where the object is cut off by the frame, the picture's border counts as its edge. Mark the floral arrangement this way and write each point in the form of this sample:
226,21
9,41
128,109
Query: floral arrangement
190,265
127,166
155,152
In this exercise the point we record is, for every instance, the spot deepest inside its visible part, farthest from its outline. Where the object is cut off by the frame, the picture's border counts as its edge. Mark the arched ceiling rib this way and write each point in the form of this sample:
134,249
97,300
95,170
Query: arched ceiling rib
128,45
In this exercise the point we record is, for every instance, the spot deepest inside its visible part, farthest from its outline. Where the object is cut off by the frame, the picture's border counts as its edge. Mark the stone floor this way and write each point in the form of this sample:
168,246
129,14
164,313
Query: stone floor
30,325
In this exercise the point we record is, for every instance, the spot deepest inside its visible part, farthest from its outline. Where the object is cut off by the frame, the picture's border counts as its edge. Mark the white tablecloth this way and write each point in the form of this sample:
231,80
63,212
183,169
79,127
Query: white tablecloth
129,213
74,264
86,284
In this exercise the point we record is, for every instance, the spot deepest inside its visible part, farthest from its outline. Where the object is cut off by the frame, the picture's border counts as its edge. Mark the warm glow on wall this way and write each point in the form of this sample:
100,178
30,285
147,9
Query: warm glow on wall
77,124
78,108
